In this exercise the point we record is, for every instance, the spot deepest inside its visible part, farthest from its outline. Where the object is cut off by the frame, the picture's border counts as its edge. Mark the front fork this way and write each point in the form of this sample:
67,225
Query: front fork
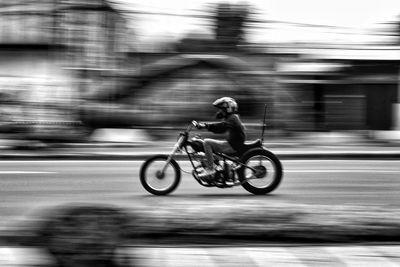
177,146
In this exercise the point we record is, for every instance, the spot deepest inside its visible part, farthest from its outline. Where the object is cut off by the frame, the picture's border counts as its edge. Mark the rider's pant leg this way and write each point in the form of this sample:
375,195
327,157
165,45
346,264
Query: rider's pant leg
212,145
209,153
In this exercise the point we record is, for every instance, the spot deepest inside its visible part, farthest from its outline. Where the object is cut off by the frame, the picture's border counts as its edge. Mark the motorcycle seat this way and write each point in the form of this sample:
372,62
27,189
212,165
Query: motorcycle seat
247,146
198,146
252,144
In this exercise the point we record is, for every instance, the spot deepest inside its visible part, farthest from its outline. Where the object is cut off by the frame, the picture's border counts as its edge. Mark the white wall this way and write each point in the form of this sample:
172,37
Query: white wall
36,79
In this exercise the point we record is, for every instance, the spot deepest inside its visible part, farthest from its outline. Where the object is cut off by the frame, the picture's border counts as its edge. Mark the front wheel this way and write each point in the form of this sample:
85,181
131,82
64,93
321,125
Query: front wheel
263,173
157,182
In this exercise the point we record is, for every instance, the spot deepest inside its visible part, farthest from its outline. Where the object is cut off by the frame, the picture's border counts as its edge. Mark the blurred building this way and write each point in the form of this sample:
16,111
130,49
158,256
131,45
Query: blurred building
307,88
339,87
49,50
96,38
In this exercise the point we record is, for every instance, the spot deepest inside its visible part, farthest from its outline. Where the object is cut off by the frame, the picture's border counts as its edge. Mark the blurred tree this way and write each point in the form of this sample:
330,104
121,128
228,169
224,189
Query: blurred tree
230,23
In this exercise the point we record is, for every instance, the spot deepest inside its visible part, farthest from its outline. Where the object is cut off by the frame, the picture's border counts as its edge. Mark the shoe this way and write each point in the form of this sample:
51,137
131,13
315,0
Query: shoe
207,175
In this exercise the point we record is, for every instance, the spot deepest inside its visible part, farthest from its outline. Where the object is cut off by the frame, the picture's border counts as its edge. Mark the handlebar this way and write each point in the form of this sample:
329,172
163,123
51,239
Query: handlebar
194,124
190,127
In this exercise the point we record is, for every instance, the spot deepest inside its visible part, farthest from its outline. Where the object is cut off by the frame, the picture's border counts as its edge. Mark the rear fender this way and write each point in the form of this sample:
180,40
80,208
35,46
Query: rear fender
251,151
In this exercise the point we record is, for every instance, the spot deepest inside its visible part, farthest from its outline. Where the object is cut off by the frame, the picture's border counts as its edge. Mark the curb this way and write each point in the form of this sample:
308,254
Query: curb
143,156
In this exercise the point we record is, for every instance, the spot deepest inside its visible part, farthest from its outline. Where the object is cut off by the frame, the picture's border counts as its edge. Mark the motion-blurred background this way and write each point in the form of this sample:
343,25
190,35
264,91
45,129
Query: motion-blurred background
69,67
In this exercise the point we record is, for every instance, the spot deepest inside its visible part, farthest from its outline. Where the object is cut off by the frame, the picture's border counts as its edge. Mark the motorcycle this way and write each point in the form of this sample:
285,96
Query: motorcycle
255,168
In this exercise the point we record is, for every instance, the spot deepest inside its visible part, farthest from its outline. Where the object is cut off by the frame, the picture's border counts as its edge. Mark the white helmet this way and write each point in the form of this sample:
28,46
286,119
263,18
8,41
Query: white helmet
227,103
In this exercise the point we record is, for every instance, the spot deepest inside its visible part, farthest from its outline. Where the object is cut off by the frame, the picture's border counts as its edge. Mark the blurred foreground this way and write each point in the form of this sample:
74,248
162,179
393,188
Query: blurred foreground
177,234
236,256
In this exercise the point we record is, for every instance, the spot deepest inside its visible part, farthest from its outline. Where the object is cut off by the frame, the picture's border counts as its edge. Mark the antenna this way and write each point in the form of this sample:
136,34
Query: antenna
263,123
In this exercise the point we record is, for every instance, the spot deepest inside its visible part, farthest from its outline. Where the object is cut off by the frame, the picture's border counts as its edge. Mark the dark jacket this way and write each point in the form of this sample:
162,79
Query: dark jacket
235,129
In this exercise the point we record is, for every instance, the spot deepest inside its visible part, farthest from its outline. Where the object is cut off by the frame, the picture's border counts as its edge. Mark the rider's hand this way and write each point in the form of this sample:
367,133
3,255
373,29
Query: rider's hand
202,125
199,125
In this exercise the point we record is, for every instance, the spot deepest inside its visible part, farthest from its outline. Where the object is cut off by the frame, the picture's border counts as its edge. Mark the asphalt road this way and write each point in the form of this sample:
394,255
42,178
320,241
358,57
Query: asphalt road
26,186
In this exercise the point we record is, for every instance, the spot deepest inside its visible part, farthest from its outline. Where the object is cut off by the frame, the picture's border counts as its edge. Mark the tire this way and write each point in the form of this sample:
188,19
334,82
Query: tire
269,171
160,185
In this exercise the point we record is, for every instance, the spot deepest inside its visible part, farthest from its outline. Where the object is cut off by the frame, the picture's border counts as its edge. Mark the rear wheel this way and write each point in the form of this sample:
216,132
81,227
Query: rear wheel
157,182
264,174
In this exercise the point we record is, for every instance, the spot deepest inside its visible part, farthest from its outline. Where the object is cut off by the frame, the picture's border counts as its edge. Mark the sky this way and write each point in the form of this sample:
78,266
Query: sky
350,21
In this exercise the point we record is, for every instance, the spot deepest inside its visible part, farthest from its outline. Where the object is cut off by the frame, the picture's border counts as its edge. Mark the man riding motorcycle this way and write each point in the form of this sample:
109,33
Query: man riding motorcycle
231,123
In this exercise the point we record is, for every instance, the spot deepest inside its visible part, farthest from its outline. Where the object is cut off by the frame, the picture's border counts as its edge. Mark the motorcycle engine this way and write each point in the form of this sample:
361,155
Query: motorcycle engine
229,173
225,171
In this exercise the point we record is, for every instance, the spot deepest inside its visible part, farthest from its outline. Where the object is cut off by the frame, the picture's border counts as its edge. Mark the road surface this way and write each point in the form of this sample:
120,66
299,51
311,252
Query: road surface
28,185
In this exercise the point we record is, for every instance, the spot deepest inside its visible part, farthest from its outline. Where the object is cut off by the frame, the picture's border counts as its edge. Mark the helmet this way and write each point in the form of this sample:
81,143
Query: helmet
226,103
